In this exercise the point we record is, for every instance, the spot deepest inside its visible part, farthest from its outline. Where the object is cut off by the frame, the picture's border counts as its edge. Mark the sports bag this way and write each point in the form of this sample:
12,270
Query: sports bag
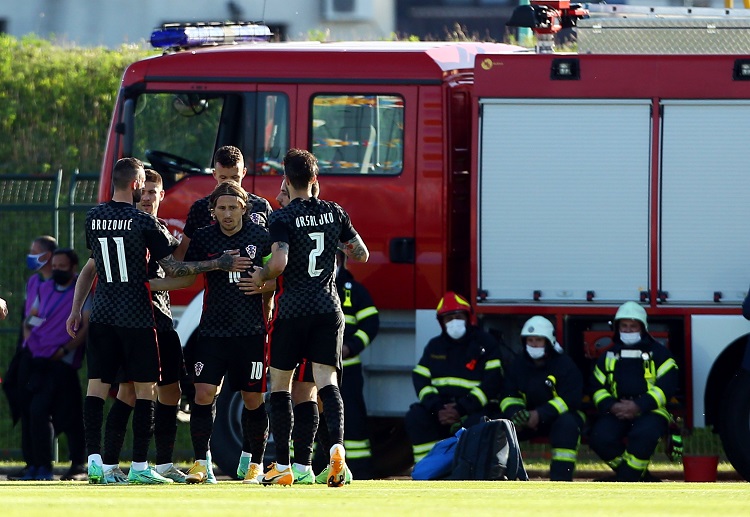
489,450
439,461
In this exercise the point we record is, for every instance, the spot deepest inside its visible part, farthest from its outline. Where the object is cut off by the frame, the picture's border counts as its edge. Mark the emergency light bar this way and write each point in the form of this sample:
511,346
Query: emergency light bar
172,35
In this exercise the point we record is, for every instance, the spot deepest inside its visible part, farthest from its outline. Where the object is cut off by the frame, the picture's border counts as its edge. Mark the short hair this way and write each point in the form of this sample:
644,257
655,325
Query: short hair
228,188
154,177
68,252
125,171
47,242
228,156
301,167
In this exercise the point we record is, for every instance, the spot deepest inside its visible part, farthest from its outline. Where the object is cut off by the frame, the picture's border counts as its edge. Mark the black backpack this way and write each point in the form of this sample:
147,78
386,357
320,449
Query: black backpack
489,451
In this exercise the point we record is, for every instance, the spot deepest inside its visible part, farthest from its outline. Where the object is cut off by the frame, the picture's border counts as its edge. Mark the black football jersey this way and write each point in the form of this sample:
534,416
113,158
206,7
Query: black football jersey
312,228
162,304
122,239
258,211
227,311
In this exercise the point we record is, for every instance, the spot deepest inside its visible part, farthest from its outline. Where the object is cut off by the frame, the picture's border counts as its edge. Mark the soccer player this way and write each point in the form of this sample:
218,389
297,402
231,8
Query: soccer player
173,368
308,321
232,334
229,165
121,332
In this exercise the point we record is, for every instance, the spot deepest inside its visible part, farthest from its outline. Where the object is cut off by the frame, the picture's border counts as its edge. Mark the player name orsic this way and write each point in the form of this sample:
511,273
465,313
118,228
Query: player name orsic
111,224
311,220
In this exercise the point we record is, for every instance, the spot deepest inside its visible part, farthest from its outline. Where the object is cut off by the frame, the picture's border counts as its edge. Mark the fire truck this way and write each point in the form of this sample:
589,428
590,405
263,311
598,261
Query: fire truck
533,182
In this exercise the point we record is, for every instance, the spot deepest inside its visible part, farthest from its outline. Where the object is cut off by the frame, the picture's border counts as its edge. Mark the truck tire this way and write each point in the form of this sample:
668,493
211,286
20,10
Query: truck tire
226,440
734,428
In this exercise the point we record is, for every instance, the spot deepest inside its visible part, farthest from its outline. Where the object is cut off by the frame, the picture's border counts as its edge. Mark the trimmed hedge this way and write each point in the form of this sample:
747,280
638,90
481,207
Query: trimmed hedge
56,103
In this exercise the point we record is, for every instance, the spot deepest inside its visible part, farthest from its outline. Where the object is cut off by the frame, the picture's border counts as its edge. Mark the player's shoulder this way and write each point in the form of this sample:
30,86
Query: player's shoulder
258,202
199,204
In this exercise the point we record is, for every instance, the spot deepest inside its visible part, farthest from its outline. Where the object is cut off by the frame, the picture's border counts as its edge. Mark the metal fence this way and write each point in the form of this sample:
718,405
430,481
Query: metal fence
31,206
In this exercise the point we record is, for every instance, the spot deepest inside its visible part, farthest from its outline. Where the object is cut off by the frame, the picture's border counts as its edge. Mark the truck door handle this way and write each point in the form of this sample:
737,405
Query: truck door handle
402,250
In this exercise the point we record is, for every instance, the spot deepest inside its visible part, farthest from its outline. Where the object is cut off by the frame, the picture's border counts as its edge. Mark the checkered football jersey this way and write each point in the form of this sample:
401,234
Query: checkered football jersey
258,211
227,311
312,228
122,239
162,303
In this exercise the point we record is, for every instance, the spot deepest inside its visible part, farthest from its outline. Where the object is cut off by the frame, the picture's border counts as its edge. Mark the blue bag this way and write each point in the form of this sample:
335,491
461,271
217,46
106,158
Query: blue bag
439,461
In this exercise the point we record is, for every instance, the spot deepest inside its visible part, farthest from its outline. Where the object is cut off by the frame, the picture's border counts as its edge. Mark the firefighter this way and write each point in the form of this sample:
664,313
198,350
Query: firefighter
631,385
542,396
459,374
362,324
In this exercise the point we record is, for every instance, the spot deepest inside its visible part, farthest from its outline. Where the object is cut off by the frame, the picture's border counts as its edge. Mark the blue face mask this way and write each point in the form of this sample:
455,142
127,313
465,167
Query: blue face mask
33,262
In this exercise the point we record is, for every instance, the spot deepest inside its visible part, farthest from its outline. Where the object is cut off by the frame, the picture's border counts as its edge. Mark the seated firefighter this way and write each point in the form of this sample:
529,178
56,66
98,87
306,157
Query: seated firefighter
459,373
542,395
631,385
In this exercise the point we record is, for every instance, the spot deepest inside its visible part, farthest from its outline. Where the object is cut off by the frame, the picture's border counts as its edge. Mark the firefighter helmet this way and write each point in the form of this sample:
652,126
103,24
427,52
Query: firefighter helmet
632,311
450,303
539,326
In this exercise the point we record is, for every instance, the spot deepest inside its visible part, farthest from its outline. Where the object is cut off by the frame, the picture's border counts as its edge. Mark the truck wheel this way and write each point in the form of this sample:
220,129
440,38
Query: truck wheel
226,440
735,423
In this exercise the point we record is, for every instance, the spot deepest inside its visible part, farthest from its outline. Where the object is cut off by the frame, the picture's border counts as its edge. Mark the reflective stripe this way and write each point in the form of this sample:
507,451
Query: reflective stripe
492,364
351,361
599,375
663,412
427,390
479,394
347,297
559,404
420,450
665,367
350,319
362,335
366,313
511,401
355,454
658,395
266,259
356,449
616,462
600,395
422,370
455,381
569,455
635,463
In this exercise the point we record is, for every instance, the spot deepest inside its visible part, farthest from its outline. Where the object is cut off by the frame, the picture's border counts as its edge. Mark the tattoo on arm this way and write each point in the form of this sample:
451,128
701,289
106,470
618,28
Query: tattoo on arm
174,267
355,249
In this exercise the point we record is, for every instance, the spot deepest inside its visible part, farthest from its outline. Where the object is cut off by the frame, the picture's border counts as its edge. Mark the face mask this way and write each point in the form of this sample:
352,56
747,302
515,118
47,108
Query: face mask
61,277
456,329
33,262
535,352
630,338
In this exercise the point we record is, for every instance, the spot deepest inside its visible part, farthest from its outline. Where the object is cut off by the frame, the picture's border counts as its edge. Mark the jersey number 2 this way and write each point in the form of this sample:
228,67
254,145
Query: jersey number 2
120,246
317,237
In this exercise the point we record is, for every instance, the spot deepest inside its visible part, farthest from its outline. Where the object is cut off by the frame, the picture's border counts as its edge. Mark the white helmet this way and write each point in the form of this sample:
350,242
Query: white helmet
632,311
539,326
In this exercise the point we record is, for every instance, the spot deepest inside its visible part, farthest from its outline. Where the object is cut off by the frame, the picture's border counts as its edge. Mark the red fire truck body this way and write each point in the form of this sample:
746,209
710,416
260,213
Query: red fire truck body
553,184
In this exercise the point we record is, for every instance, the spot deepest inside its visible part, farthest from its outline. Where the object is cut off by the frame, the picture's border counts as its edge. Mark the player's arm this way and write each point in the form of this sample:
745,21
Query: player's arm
275,265
226,262
355,249
179,252
83,287
171,283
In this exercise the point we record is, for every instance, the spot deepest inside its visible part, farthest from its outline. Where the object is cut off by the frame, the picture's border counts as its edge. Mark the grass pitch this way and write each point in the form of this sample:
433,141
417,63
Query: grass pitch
382,498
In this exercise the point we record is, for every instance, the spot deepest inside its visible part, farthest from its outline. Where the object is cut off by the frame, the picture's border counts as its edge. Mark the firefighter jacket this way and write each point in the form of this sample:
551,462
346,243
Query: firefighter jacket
645,373
552,387
360,314
468,372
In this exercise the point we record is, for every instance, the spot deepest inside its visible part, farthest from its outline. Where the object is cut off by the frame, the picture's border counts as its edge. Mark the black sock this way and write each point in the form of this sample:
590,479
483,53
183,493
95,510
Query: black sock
143,428
282,421
201,427
306,420
93,415
114,431
255,432
333,410
165,432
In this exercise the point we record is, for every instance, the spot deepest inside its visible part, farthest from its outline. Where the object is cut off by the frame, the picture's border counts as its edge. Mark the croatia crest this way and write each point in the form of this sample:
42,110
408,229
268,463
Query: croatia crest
255,217
250,251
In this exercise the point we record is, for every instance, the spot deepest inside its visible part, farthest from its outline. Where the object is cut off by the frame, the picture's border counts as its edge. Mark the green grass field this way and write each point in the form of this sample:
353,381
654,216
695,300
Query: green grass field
386,498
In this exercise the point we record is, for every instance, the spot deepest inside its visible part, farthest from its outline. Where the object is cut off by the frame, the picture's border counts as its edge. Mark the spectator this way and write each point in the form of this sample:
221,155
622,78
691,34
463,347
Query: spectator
459,373
54,387
542,395
632,383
